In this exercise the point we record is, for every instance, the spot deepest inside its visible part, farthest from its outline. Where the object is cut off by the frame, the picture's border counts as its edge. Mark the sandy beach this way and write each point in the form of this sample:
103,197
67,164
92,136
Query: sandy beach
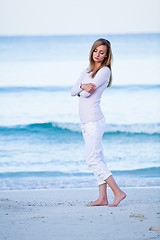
60,214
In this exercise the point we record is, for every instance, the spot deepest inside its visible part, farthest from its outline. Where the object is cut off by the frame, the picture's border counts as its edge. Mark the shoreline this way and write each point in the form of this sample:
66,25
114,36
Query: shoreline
74,188
60,214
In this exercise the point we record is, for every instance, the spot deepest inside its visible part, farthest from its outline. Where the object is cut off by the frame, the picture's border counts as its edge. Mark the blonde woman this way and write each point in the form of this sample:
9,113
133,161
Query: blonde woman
89,88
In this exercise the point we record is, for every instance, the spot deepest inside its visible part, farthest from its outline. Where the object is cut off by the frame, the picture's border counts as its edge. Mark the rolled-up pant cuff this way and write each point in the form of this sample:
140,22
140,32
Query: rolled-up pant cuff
102,181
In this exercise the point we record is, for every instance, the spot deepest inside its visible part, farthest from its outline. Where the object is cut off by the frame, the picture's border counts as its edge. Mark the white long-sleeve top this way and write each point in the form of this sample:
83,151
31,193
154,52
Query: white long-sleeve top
89,104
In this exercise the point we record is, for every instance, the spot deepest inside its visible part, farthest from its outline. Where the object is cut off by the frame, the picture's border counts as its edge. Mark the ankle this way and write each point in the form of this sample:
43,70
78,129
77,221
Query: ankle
120,192
102,198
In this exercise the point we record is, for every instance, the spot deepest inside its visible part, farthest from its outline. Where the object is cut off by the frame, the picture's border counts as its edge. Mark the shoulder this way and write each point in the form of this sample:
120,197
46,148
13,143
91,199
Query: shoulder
104,72
85,70
83,73
104,69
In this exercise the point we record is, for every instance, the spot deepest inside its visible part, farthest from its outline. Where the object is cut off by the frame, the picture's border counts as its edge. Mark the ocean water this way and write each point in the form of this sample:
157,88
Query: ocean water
41,144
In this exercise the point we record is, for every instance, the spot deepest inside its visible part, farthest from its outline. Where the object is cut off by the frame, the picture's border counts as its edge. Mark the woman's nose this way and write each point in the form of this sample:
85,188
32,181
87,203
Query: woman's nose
97,54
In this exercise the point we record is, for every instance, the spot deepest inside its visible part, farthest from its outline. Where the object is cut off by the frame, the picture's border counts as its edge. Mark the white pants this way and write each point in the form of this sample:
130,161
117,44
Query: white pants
92,134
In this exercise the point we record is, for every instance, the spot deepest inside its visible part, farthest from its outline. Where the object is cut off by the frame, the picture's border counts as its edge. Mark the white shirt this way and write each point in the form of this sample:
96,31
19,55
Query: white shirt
89,104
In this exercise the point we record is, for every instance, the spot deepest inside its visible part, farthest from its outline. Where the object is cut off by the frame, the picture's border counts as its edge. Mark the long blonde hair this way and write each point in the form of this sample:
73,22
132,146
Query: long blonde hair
107,60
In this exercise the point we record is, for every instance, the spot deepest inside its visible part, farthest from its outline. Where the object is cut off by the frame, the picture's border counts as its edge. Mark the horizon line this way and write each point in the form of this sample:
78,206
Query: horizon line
79,34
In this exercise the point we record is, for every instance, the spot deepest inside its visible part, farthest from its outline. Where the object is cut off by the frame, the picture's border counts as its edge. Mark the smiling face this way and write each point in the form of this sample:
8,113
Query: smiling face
99,54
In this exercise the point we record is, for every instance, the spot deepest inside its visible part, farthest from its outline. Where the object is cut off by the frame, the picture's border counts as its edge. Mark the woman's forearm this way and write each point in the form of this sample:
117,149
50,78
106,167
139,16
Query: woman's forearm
89,87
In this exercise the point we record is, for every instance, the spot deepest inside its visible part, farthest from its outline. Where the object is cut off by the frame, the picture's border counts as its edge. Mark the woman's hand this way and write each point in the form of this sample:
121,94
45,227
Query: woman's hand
89,87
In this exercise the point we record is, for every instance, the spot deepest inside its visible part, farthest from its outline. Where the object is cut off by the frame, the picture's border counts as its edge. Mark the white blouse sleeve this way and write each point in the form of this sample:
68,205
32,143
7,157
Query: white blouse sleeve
76,88
85,94
102,76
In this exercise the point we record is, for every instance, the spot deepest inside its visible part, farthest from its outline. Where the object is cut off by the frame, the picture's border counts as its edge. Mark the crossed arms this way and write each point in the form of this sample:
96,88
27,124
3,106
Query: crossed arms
86,90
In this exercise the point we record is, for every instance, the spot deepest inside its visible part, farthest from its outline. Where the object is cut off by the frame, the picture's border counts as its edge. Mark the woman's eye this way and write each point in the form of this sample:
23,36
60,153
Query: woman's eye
102,53
95,50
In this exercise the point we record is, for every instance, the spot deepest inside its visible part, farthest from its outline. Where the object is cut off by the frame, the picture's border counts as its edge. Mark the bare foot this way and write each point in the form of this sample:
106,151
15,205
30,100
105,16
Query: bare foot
118,198
98,202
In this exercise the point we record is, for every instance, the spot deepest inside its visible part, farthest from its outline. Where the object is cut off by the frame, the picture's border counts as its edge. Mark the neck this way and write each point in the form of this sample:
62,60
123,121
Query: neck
96,66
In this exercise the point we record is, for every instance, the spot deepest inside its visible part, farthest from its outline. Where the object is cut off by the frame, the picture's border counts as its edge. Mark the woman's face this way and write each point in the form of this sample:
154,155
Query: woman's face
99,53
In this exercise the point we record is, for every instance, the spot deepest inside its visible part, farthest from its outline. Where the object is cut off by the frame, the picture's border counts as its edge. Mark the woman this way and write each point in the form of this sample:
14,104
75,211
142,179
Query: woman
89,89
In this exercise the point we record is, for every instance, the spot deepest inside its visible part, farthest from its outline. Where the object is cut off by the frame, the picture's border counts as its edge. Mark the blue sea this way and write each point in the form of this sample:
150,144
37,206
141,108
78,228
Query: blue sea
41,145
